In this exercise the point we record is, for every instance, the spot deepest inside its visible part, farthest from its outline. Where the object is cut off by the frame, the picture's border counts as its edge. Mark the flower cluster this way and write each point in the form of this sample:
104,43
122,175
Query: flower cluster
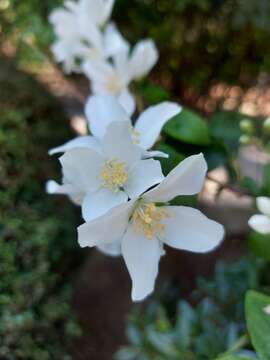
112,174
87,43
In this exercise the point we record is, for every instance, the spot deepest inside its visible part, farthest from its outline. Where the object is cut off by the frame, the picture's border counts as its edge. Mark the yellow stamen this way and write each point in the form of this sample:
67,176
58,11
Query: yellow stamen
147,218
114,85
113,174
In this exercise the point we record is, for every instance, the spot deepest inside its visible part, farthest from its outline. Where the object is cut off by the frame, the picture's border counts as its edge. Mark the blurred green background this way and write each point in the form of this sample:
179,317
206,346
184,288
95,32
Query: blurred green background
200,41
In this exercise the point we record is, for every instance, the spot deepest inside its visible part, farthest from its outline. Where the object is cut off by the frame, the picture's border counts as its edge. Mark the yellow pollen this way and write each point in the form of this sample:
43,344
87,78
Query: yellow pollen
113,174
147,218
135,135
113,85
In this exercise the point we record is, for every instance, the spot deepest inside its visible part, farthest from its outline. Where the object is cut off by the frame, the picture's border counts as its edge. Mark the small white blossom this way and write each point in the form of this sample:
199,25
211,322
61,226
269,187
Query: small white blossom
113,78
138,229
261,223
79,37
267,310
101,111
110,176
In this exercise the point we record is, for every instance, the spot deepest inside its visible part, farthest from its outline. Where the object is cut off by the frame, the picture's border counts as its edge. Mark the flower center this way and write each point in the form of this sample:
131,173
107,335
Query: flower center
147,218
113,174
135,136
114,85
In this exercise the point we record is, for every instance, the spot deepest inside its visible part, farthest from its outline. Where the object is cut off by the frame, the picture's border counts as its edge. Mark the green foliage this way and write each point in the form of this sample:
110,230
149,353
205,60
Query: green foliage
188,127
258,322
260,245
234,357
201,40
37,248
225,127
171,329
152,93
172,161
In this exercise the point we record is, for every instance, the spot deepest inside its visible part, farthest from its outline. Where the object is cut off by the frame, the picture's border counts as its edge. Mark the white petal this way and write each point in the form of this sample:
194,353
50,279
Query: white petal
263,204
260,223
64,23
145,174
99,203
188,229
107,228
76,196
112,249
114,41
127,101
144,57
52,187
91,33
142,259
63,53
81,168
150,154
101,111
151,121
117,144
96,11
98,71
79,142
107,10
187,178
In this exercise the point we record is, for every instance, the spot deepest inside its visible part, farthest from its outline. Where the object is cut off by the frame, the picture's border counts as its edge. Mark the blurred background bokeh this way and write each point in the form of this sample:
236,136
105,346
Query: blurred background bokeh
59,302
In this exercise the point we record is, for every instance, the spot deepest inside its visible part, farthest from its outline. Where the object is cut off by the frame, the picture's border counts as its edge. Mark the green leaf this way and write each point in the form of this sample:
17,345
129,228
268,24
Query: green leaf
172,161
188,127
153,94
260,245
216,155
266,180
233,357
258,323
250,184
224,125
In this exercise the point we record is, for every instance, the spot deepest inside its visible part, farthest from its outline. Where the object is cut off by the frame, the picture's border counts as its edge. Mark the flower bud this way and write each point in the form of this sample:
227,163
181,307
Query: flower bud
245,139
266,126
247,127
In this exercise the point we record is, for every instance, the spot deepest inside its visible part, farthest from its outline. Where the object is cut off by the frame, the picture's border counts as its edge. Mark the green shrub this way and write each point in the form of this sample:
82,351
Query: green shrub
169,328
201,40
37,247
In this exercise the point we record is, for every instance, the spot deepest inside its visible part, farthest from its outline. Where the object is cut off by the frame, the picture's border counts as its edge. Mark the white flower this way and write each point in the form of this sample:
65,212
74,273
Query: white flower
111,176
78,30
114,77
261,223
267,309
141,227
101,111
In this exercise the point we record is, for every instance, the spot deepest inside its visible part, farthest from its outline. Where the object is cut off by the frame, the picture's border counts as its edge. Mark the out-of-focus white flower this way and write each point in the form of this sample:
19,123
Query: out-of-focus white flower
261,223
114,77
110,176
78,30
267,309
140,228
101,111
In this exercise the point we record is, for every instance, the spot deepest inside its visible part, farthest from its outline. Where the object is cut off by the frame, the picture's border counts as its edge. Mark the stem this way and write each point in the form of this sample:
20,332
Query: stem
233,188
238,345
